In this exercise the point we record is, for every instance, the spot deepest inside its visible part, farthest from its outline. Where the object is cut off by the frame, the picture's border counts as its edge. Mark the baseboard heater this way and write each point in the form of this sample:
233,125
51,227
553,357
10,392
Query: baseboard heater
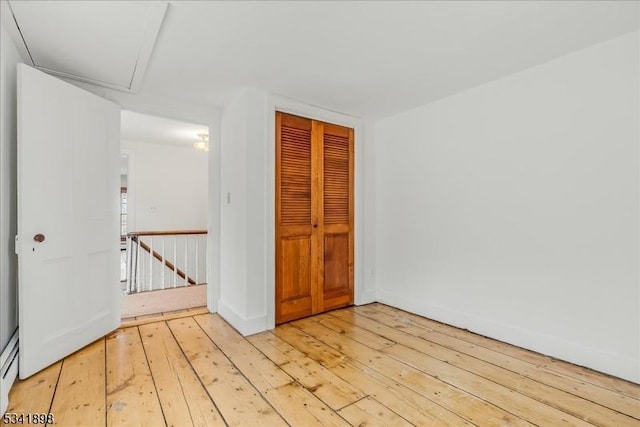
8,371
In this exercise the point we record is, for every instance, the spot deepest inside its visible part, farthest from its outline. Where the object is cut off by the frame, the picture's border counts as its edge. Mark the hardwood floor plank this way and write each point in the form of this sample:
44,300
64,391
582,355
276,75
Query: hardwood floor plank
374,341
35,394
493,392
396,397
370,365
370,412
299,407
184,400
152,318
621,396
272,382
463,404
261,371
540,360
328,387
576,397
236,398
79,399
413,406
131,395
169,313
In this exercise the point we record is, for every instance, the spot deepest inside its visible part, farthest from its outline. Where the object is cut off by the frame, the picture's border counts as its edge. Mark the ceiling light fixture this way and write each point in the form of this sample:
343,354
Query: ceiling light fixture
203,142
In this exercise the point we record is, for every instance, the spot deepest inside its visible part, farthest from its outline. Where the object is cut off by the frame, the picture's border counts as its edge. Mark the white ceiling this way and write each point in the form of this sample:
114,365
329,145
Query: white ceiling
368,58
102,42
158,130
363,58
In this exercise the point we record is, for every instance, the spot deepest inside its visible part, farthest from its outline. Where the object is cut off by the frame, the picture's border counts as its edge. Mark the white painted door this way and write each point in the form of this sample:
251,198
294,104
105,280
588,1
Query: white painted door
68,197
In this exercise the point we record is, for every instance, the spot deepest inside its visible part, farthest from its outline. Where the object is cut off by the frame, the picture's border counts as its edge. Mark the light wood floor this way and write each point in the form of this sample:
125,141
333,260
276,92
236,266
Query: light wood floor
370,365
148,303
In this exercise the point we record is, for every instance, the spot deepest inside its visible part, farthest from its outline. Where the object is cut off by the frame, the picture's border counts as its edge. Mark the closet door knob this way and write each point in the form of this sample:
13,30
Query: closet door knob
39,237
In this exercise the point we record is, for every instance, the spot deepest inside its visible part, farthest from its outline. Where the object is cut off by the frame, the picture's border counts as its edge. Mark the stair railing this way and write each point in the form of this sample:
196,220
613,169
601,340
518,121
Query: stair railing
165,259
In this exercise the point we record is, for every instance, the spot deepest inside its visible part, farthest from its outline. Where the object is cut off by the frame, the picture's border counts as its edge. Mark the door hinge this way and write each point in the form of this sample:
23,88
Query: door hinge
16,247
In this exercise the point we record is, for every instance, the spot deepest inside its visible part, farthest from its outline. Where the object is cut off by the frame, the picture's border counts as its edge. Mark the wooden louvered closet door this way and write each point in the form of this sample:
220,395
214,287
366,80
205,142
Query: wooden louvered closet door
314,217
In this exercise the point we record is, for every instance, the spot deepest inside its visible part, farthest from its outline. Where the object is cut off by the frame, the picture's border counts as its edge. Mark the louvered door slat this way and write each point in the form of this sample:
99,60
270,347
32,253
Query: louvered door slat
295,167
336,179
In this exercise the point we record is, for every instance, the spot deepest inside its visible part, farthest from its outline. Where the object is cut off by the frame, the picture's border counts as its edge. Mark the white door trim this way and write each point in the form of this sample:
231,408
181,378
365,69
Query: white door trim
131,193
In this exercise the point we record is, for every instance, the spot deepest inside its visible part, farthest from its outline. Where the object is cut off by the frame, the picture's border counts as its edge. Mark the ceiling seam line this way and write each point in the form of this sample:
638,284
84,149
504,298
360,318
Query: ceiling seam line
21,35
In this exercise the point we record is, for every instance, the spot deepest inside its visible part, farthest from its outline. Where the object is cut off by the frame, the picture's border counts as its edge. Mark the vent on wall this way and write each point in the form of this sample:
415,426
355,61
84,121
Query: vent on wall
104,43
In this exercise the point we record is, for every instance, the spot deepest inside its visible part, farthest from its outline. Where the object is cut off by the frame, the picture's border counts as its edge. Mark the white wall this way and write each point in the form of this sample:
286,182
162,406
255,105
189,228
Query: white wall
512,209
243,185
169,187
233,210
9,57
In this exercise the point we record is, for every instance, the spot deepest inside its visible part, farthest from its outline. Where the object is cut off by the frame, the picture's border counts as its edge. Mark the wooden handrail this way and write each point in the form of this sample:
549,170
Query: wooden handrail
157,256
165,232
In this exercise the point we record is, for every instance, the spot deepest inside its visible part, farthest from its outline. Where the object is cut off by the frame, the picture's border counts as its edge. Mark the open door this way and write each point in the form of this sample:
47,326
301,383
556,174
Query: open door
68,218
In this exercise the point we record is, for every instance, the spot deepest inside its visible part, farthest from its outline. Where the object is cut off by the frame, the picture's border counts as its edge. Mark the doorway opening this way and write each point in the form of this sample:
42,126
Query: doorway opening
163,214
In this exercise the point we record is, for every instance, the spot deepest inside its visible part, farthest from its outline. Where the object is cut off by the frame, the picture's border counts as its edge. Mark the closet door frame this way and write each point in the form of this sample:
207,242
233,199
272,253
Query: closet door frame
304,226
362,295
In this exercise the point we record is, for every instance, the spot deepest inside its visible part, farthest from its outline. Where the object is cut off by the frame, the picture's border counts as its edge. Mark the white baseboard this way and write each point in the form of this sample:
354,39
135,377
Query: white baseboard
613,364
246,326
366,297
8,371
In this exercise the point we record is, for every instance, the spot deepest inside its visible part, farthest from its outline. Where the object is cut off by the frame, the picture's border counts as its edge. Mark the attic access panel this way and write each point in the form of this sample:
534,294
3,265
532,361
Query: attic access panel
104,43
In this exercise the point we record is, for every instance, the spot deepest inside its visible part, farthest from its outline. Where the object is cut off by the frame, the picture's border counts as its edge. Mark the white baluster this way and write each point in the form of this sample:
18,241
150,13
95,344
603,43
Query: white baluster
186,260
143,268
150,263
162,267
197,256
129,264
175,261
138,264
